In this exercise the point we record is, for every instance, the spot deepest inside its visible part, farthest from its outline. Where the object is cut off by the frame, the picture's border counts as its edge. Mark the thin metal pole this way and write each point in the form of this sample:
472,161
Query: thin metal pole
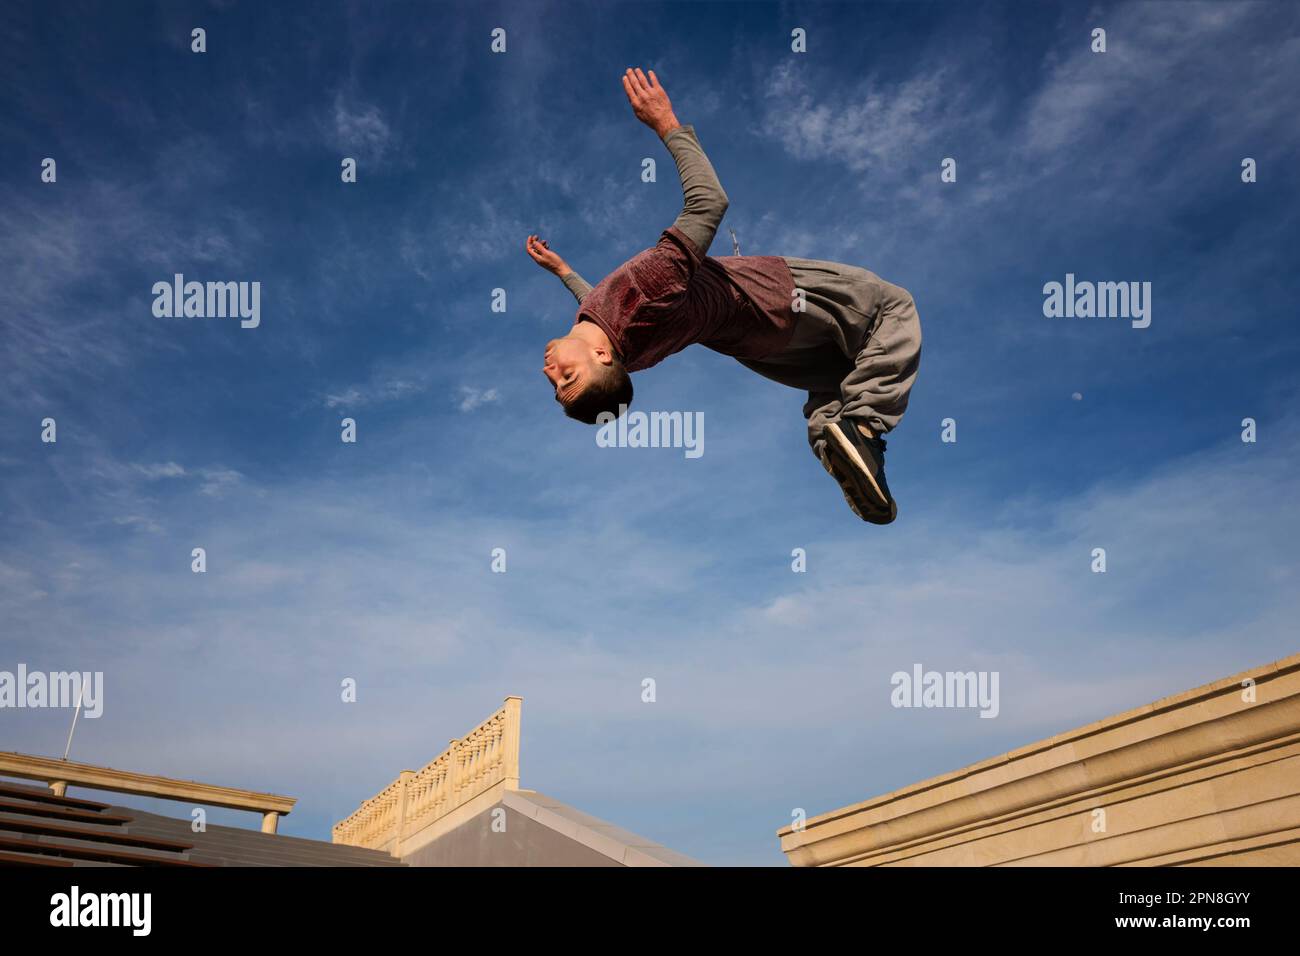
75,714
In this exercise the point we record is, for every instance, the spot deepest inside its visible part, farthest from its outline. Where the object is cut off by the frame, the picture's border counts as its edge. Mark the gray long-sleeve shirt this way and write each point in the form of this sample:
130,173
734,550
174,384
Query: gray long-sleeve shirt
576,284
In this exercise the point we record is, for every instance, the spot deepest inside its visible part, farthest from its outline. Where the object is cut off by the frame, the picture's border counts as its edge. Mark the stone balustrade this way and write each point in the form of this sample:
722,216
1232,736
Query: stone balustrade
484,761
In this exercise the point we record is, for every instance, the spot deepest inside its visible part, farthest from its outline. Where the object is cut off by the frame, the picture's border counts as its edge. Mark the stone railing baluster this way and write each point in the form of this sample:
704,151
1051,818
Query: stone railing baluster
469,766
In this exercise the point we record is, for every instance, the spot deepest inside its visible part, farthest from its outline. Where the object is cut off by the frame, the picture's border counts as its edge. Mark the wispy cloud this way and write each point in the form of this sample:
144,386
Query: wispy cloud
165,470
864,127
211,480
1153,56
356,396
471,397
360,129
218,481
142,522
470,231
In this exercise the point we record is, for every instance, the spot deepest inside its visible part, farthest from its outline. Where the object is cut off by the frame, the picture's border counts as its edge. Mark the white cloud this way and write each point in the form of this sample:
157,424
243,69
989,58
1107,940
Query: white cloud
483,232
168,470
471,398
871,124
381,388
360,128
1173,83
1154,55
217,481
49,248
351,396
143,522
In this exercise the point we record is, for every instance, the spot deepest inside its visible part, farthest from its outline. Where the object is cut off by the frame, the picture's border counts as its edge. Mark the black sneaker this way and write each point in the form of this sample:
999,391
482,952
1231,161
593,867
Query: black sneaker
858,464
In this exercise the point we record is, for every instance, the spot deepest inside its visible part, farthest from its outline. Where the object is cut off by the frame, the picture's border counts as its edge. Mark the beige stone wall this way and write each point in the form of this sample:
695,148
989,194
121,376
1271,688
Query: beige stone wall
1207,777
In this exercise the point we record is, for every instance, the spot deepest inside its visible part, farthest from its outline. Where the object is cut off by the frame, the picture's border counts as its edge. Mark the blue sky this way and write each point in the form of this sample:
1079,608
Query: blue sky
371,560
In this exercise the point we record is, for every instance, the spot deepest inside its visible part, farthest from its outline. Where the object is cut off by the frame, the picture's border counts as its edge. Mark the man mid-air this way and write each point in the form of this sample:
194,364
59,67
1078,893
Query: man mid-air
841,333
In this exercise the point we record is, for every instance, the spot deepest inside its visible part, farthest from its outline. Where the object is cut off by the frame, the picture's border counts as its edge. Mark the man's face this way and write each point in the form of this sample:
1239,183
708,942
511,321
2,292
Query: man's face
567,364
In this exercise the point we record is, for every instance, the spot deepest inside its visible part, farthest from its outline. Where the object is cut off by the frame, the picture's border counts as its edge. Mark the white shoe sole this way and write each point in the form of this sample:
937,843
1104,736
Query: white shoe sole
856,471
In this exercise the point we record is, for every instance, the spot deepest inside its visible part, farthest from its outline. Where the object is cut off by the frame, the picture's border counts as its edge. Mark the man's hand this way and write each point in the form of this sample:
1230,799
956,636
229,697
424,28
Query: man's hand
649,102
544,257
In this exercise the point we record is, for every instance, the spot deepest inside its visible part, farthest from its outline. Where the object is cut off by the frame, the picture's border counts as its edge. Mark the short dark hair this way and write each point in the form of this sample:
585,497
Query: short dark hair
609,389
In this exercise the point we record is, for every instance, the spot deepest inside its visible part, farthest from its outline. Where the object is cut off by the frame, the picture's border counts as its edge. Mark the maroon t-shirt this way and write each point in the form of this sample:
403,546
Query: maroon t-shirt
669,296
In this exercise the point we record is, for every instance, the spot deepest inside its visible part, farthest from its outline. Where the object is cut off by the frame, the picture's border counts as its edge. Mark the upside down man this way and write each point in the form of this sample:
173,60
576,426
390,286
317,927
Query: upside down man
845,336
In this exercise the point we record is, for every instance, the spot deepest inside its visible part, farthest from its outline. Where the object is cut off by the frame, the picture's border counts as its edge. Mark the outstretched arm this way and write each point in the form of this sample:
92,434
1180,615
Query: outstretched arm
541,253
576,284
705,202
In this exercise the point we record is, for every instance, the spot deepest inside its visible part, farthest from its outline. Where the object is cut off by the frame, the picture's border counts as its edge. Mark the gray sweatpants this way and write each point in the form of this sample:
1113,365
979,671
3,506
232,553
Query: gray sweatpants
856,348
